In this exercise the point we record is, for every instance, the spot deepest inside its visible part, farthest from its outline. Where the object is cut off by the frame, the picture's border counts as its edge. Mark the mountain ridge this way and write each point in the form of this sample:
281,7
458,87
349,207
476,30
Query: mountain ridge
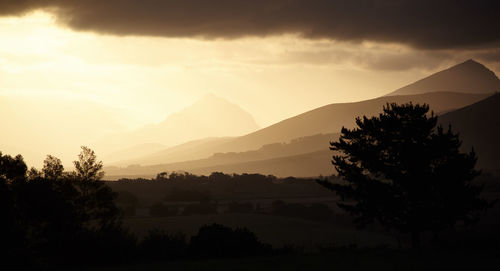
467,77
208,117
331,118
255,141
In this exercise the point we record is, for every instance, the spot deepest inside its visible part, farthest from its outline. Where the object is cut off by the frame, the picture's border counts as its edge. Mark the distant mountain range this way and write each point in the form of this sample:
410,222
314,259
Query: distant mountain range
298,146
324,120
210,116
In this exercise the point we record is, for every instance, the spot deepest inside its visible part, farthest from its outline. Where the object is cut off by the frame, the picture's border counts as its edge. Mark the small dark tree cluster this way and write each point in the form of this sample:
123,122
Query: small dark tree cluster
48,213
54,219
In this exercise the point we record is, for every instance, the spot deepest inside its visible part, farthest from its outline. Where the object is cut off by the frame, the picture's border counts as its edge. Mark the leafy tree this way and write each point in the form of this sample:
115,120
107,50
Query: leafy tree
11,233
52,168
34,173
96,198
52,218
87,167
405,172
12,168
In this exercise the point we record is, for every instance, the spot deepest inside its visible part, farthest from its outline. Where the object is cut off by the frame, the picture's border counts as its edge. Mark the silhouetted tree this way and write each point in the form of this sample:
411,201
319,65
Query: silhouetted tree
34,173
46,219
87,167
12,168
96,198
52,168
12,235
162,176
405,172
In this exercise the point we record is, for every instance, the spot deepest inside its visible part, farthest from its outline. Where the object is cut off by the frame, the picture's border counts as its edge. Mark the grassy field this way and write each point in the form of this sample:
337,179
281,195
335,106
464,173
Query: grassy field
276,230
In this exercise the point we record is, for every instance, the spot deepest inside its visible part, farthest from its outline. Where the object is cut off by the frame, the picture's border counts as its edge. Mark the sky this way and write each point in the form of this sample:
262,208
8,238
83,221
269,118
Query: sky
143,60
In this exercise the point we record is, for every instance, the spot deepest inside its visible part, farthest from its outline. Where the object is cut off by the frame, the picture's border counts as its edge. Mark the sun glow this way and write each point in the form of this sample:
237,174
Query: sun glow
135,81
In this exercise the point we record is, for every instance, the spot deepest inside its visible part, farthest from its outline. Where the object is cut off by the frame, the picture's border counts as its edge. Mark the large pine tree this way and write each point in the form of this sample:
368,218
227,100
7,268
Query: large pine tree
405,172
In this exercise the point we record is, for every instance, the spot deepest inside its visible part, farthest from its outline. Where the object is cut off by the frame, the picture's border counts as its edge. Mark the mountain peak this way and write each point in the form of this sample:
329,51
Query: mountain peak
210,116
467,77
473,65
471,61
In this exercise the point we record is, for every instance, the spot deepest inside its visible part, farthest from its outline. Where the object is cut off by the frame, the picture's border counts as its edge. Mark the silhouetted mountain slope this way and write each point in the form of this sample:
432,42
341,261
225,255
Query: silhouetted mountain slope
324,120
467,77
263,158
444,92
331,118
209,117
277,150
479,126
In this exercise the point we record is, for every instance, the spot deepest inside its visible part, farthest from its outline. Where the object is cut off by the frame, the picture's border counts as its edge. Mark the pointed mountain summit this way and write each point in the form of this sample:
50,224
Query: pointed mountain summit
467,77
211,116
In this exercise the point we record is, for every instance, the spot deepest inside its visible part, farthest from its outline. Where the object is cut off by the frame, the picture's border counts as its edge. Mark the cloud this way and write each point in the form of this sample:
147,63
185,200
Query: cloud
421,24
490,55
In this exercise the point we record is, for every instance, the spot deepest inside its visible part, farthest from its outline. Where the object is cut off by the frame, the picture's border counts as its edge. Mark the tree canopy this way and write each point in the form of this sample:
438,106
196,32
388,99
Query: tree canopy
87,167
44,211
402,170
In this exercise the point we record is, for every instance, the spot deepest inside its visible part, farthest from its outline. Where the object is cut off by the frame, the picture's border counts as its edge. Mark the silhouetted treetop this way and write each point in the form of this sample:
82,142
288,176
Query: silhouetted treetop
87,167
12,168
405,172
52,167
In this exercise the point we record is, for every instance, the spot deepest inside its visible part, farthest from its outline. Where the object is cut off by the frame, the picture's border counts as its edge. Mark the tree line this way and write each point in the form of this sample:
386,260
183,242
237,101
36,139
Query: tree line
52,218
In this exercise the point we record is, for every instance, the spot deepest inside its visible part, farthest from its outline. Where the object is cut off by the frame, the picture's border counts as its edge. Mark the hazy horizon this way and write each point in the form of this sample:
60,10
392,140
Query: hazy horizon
249,135
138,75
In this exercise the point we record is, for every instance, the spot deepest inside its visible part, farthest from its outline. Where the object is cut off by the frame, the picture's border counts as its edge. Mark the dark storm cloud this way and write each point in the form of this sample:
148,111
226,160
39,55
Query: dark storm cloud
421,24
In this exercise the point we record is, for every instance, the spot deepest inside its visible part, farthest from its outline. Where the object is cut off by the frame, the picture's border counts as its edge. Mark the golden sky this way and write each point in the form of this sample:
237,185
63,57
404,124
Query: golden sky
143,79
152,77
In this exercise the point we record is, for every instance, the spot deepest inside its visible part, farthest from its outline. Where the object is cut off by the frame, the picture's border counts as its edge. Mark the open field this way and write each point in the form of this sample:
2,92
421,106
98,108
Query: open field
276,230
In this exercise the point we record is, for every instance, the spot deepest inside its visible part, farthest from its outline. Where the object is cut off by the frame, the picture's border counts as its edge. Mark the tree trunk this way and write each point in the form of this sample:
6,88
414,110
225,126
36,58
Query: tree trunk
415,240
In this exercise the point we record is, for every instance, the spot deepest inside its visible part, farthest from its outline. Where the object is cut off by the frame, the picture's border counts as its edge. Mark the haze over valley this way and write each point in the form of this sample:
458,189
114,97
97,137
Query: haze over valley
298,146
